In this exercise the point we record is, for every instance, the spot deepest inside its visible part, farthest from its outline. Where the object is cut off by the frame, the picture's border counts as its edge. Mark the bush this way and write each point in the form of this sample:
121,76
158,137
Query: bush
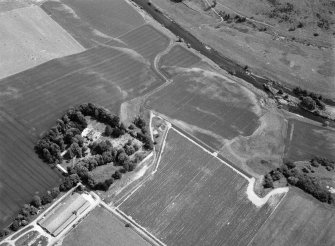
117,175
55,192
308,103
268,181
290,164
139,122
108,131
36,202
4,232
129,150
15,225
46,198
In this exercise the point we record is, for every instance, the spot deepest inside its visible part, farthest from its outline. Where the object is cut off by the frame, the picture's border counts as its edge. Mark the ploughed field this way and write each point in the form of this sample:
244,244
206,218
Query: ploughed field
207,105
92,21
305,141
102,75
146,40
22,173
195,199
102,228
178,56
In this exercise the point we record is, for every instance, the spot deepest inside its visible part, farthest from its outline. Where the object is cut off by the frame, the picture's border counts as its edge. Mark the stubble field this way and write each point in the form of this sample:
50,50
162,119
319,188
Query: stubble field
30,37
194,199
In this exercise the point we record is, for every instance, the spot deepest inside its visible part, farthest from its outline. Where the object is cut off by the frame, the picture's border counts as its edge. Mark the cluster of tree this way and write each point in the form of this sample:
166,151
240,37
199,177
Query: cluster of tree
143,136
229,18
328,164
100,114
298,177
67,132
69,182
309,100
102,154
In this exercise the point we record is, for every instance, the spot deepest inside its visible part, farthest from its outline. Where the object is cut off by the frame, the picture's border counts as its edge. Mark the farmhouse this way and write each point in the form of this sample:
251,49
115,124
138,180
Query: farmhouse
64,214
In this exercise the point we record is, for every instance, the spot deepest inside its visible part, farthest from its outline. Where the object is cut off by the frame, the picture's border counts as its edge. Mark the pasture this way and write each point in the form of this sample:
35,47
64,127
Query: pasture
146,40
305,141
194,199
102,228
30,37
299,220
92,22
35,98
208,106
178,56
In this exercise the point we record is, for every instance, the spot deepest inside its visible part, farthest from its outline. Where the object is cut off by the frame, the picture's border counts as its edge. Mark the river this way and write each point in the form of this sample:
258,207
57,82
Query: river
223,62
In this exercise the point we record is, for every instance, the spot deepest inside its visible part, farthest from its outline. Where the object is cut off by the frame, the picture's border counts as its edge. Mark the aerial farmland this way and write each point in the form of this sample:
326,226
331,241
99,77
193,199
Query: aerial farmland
124,123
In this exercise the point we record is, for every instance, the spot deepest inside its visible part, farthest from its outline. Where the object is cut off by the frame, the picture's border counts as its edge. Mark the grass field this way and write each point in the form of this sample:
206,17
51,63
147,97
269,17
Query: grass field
102,228
194,199
35,98
208,106
178,56
91,21
300,220
30,37
305,141
146,40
